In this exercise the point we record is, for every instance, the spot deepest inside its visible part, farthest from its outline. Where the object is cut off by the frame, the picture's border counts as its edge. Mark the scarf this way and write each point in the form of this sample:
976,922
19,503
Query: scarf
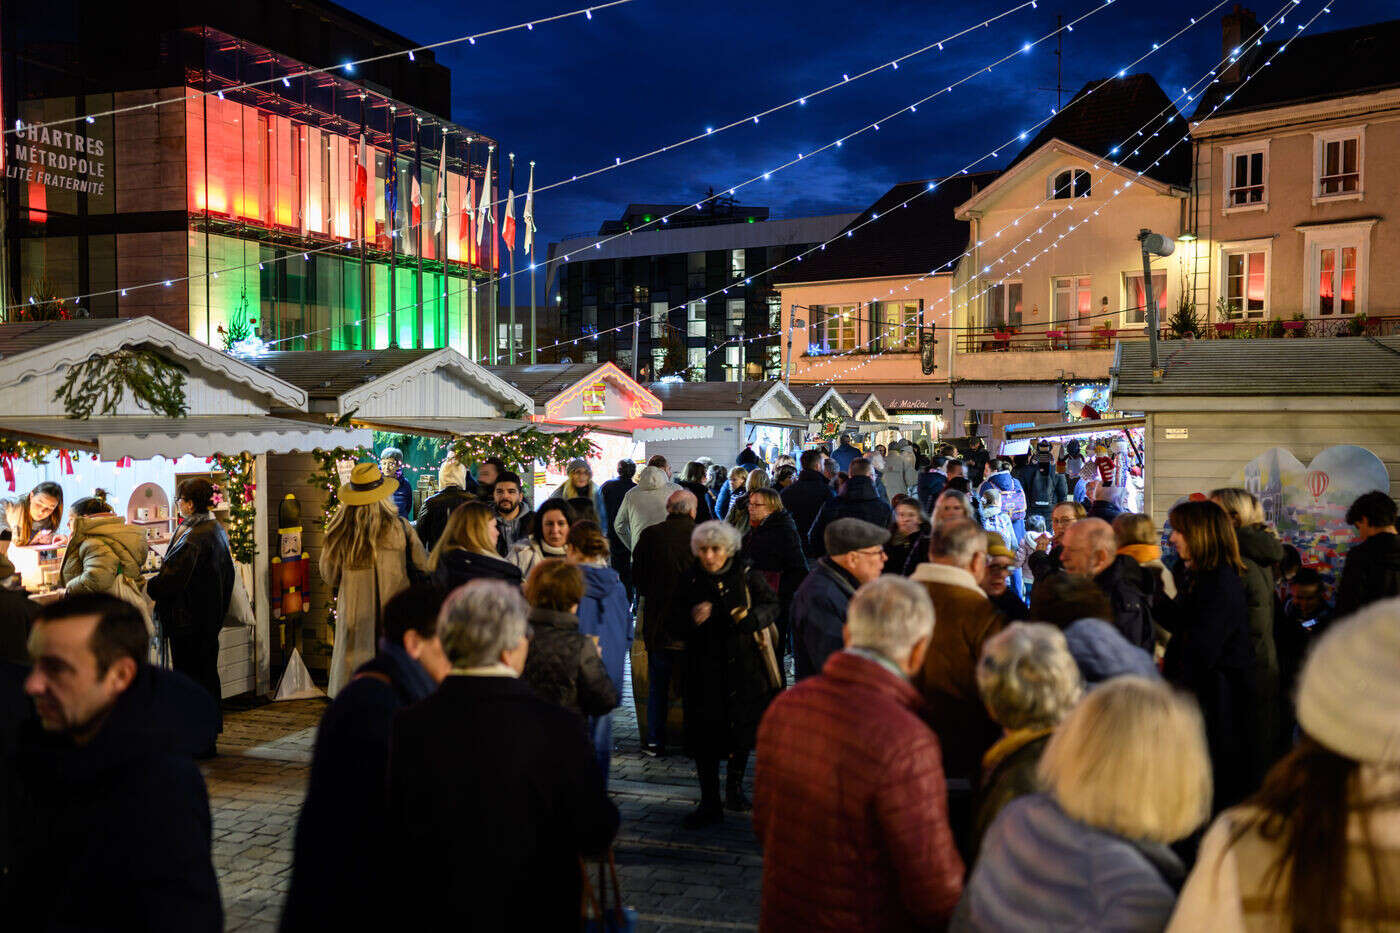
1013,741
1142,553
409,676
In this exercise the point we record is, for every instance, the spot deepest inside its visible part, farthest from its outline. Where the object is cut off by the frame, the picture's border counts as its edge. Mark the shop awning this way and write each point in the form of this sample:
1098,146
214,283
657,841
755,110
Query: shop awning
869,426
801,424
1075,428
142,437
641,429
454,427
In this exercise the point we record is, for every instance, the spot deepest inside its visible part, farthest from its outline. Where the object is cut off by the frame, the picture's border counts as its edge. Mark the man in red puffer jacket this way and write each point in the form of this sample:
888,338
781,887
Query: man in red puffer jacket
850,803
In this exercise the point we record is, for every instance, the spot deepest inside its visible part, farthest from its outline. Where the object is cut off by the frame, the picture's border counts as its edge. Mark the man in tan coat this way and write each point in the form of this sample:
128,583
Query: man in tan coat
964,619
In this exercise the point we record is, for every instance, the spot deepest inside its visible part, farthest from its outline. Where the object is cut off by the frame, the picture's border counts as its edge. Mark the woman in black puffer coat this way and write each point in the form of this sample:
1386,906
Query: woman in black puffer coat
564,665
774,548
720,607
1261,553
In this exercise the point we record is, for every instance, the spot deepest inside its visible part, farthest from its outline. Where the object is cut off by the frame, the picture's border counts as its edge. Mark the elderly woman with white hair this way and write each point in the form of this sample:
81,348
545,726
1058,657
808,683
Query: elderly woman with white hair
1028,681
486,758
1125,775
722,610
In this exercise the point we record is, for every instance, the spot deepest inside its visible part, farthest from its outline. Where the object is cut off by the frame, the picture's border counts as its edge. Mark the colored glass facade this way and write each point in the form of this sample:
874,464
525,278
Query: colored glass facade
245,200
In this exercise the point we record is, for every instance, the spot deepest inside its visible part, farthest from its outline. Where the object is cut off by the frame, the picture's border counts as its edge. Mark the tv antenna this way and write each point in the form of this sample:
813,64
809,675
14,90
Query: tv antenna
1059,87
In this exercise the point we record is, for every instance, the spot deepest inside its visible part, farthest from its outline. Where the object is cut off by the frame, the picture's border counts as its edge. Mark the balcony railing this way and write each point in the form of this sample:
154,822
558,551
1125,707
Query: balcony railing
1043,337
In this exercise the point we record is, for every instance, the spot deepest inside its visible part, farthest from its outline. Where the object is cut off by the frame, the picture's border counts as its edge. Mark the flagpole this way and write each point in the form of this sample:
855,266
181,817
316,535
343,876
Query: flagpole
418,231
510,256
530,252
366,329
392,196
472,327
440,240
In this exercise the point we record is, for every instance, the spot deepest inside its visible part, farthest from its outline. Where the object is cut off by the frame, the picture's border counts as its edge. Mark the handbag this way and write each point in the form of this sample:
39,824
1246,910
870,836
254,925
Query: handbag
597,916
766,642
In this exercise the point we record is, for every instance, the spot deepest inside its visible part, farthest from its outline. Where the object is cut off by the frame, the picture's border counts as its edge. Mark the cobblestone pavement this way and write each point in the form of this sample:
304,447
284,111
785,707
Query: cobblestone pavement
675,879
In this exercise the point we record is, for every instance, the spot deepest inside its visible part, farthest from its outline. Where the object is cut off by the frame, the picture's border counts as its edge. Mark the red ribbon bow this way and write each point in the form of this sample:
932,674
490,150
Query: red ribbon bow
65,460
7,466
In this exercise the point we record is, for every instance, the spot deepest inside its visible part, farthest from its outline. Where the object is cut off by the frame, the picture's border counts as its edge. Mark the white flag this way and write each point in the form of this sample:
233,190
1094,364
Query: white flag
440,214
529,215
483,208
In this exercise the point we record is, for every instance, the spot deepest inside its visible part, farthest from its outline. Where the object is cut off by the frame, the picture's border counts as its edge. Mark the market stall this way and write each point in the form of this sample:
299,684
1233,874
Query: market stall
764,414
1113,450
133,406
619,415
1307,424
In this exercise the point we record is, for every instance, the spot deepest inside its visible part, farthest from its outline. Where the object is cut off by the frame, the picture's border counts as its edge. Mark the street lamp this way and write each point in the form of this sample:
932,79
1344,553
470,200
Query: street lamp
793,322
1153,244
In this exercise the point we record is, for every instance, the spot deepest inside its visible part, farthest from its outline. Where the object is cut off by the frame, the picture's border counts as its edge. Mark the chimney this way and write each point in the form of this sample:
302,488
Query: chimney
1237,28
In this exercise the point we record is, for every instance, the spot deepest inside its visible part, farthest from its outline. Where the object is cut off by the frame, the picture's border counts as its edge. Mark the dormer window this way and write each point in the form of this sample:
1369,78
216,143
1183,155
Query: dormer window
1071,183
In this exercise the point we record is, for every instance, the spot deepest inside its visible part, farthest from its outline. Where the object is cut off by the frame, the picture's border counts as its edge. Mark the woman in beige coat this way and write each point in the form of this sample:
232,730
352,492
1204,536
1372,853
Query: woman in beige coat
366,560
105,555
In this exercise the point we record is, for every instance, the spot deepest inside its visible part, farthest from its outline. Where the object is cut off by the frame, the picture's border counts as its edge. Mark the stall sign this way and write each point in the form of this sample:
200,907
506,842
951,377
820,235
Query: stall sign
595,399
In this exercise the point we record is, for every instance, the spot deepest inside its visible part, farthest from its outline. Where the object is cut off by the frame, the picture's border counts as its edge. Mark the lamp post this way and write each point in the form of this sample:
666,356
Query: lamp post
1153,244
793,322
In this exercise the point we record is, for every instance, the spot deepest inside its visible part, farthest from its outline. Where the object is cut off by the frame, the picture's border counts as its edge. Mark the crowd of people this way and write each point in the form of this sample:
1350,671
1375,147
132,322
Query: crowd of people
973,696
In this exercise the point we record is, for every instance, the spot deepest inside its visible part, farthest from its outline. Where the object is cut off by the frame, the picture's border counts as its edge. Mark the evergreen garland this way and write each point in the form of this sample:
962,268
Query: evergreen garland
238,492
522,448
99,384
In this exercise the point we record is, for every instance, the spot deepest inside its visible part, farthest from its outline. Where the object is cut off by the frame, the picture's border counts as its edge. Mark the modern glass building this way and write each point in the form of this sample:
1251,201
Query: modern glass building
696,287
236,196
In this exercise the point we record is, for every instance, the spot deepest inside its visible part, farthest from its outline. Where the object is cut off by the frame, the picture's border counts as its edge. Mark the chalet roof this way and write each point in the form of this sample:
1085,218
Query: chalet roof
331,373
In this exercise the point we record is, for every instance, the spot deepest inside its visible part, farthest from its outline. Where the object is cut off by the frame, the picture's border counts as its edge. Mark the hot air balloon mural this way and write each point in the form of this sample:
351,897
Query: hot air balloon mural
1318,481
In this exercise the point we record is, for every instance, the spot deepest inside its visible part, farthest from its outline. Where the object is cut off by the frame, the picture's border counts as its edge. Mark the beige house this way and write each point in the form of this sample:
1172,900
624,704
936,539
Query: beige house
1293,184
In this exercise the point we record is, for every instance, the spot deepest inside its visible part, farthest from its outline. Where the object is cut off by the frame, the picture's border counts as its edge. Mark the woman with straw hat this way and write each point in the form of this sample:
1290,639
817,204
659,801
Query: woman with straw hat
369,556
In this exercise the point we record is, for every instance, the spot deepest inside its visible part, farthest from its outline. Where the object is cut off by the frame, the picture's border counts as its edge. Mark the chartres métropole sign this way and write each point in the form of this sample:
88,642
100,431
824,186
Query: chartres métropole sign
56,158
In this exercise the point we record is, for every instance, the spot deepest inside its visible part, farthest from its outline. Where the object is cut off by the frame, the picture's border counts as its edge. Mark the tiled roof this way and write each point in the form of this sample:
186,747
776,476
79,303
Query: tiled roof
909,240
331,373
1108,113
1312,68
19,338
1277,367
708,396
543,381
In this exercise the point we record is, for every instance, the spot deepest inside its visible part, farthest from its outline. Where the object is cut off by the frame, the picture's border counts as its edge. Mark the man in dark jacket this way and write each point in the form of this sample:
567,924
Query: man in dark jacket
455,486
855,554
1091,550
620,558
845,453
493,792
931,483
747,458
391,465
663,559
193,589
976,462
1105,505
1372,569
338,859
857,500
1044,487
17,612
113,825
512,517
807,494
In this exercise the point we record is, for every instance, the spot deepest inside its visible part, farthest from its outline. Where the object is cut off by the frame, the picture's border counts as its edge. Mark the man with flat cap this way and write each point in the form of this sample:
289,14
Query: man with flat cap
855,554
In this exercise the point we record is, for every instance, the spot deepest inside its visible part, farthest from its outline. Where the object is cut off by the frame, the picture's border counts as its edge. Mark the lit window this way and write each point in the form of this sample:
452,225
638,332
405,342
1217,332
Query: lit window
1073,299
834,328
695,360
734,316
733,363
658,319
1135,297
899,325
695,319
1004,305
736,264
1246,283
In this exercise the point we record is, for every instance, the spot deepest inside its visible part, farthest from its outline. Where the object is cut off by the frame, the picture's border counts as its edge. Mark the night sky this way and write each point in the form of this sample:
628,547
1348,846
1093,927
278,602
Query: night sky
573,95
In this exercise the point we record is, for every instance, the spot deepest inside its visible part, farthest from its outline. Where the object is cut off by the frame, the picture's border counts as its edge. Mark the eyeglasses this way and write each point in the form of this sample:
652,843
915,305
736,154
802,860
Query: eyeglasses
872,551
1000,568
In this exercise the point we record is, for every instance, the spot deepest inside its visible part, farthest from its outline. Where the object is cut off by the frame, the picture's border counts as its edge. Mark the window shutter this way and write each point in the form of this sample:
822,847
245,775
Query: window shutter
876,341
814,319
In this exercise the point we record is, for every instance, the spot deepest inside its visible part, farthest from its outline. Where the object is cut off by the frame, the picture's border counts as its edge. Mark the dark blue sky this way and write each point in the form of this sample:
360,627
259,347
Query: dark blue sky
574,95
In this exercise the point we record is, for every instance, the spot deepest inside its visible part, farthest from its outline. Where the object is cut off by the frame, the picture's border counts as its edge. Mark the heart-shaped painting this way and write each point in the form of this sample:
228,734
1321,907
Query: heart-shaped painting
1307,505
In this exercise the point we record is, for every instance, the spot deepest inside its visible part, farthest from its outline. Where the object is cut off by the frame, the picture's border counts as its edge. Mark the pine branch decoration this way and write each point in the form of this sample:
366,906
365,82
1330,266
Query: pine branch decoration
99,383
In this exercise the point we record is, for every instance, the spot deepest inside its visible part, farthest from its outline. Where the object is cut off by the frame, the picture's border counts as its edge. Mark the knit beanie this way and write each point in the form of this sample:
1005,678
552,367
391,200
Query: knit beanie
1349,693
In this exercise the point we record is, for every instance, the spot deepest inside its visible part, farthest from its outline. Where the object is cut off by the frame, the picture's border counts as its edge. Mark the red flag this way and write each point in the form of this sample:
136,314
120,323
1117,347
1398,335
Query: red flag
361,177
508,221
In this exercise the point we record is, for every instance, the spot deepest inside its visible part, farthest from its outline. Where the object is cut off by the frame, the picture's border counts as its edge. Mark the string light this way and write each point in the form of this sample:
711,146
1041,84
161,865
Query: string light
698,205
348,67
